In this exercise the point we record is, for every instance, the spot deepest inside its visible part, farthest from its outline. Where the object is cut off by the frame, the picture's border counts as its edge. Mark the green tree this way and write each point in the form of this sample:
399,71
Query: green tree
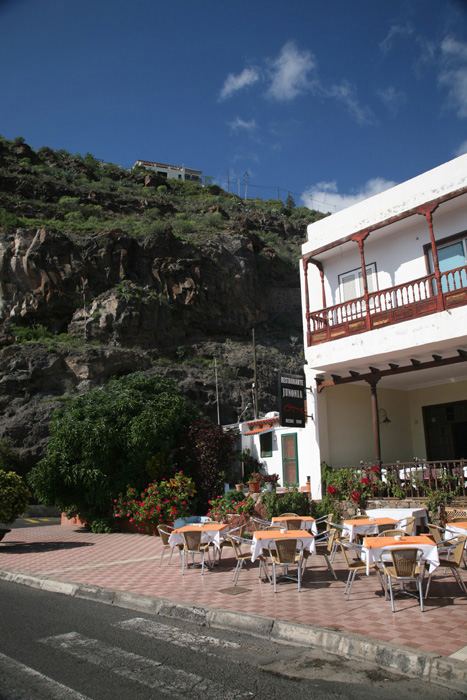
14,496
101,443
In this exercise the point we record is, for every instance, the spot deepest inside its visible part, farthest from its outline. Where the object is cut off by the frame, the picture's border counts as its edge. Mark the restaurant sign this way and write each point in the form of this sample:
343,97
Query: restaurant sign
292,400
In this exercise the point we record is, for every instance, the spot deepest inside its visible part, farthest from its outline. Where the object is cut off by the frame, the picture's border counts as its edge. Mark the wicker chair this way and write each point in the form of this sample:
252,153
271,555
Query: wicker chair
438,533
352,555
406,566
408,524
324,548
243,557
193,546
227,542
259,524
457,549
286,556
289,515
359,517
164,532
393,533
293,524
382,529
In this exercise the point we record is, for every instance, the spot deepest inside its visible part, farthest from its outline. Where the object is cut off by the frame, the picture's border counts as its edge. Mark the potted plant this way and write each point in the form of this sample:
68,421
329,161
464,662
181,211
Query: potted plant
14,499
255,482
239,487
271,481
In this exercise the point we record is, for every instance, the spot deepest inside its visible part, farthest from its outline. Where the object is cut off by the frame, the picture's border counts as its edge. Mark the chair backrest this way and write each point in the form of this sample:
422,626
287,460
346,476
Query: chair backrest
236,545
286,550
436,532
359,517
348,549
259,524
462,519
164,535
382,528
329,521
333,535
192,540
408,524
393,533
273,527
405,561
288,515
459,549
293,524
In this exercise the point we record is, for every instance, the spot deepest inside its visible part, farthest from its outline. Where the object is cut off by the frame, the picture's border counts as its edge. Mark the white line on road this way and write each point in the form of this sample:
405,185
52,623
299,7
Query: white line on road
171,635
167,679
12,672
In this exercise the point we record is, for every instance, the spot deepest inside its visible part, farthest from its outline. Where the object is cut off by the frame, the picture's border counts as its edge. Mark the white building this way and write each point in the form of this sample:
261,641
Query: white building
384,298
281,450
174,172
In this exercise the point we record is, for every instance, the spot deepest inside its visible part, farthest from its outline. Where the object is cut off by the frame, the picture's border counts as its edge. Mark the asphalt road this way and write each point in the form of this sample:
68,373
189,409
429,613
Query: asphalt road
54,647
34,522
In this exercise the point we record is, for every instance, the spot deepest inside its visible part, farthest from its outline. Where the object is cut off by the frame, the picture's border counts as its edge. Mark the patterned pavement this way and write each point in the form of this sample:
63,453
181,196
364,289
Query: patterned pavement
130,562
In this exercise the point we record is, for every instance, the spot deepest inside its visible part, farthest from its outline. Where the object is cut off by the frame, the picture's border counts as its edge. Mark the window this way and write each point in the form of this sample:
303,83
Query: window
450,257
265,442
351,283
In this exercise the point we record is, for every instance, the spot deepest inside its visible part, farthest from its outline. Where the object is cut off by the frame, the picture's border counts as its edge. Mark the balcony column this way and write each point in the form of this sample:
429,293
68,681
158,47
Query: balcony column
427,211
374,411
360,238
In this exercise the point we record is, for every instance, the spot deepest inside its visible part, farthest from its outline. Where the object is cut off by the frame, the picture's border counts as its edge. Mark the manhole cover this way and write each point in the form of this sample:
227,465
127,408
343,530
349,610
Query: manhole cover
235,590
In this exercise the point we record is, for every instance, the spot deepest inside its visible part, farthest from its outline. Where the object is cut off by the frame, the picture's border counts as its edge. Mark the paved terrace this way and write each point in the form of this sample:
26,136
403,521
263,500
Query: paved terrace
130,562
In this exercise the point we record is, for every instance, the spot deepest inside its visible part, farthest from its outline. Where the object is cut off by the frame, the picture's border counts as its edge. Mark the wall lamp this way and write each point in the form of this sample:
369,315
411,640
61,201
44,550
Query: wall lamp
383,416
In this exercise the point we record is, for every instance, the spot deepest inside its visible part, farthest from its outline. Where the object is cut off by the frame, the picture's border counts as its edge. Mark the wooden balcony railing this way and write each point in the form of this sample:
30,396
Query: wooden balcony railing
403,302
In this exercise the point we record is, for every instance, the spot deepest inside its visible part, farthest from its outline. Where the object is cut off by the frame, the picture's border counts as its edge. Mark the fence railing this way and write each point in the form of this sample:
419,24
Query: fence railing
414,479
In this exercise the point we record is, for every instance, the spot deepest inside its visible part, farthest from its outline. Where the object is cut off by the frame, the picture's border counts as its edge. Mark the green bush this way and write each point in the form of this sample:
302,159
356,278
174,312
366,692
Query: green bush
101,442
14,496
294,501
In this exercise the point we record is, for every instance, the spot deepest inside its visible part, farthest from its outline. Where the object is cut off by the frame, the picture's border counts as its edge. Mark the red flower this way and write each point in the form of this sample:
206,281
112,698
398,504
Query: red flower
355,496
366,482
332,490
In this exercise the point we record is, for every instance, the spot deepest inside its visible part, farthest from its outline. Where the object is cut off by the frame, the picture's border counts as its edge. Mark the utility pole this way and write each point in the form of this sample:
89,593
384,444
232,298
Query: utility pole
246,186
255,377
217,393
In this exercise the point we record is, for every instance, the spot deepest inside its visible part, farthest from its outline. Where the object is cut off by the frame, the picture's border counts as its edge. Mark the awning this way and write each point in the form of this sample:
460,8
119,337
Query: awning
259,430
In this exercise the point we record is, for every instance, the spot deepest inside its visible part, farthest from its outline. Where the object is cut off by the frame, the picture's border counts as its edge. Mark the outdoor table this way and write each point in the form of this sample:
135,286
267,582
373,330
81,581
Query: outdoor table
308,523
211,532
264,539
459,528
366,527
420,515
374,548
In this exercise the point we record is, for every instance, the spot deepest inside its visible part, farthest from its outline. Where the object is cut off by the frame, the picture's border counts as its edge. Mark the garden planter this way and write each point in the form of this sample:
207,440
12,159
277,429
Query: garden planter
255,486
239,487
270,486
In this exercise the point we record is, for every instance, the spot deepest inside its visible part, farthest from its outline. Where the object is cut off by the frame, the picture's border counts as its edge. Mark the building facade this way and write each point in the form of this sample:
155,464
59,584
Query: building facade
384,301
173,172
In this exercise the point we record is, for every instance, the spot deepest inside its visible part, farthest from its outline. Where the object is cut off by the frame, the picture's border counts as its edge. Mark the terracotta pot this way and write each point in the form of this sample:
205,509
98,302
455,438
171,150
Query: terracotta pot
255,486
239,487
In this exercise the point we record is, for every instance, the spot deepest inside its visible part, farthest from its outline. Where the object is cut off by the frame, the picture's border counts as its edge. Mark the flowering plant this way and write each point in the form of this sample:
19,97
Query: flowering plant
352,484
270,478
231,503
160,502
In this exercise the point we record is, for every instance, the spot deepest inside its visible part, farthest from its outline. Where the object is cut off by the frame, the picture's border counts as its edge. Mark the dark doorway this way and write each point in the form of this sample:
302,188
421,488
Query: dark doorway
446,431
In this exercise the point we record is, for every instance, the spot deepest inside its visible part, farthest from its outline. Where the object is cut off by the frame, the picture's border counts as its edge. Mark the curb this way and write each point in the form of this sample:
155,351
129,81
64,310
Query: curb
441,670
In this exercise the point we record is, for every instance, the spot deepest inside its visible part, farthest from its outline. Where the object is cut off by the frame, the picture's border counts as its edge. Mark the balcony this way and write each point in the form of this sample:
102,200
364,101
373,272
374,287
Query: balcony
404,302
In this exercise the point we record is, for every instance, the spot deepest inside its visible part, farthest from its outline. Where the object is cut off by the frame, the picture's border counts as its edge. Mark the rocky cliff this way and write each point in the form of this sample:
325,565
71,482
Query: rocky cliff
105,271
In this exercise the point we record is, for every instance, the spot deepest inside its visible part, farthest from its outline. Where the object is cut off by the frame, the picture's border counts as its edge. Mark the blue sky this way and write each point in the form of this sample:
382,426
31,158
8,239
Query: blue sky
331,100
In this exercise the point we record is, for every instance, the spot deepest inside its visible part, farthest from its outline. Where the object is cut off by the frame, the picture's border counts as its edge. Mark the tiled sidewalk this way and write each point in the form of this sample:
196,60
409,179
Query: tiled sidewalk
131,563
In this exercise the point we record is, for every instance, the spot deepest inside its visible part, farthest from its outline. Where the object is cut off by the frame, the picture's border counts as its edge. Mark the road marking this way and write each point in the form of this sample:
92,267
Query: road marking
12,671
153,674
29,520
149,628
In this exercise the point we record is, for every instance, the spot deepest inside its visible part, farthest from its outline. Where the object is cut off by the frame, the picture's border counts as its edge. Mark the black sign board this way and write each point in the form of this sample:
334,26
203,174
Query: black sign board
292,402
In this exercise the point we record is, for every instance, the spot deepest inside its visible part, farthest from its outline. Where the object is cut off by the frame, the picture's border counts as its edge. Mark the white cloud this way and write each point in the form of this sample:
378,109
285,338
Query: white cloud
454,75
289,73
345,93
240,124
461,149
234,83
391,98
324,196
397,30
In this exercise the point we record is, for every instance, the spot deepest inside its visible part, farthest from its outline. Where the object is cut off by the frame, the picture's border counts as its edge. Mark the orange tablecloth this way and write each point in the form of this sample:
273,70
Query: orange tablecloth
264,539
211,533
374,547
369,526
